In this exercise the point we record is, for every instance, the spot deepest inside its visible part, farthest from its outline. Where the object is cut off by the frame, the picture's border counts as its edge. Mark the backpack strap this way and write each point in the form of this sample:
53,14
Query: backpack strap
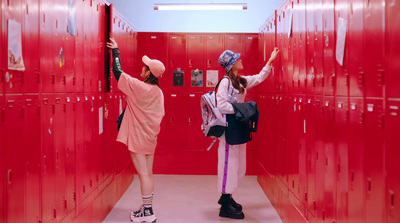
215,89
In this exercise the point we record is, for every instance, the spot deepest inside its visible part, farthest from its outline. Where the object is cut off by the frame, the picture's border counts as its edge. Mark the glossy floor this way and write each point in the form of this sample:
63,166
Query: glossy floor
193,198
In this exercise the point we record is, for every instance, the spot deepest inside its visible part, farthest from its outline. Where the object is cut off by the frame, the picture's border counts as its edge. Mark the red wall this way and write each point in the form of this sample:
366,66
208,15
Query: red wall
55,164
330,152
182,145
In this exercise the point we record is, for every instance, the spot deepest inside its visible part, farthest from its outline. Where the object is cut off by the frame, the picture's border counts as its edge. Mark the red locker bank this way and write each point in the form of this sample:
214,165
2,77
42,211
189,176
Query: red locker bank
328,150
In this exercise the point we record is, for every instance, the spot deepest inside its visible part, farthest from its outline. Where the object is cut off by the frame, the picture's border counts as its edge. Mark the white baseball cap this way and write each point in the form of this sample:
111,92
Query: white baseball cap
157,68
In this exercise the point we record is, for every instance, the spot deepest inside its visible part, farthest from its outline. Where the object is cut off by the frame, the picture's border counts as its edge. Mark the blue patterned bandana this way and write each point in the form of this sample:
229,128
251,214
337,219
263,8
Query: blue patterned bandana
227,59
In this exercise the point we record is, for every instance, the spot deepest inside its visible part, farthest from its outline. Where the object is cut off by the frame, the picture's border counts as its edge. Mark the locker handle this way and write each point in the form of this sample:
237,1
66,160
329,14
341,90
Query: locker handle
209,62
9,176
190,62
190,119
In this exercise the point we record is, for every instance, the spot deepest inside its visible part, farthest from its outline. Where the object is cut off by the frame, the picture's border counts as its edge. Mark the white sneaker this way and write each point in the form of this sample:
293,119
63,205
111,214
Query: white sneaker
143,215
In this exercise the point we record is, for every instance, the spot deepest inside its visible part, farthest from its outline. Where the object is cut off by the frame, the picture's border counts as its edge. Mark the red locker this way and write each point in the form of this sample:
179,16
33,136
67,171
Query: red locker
79,40
329,162
320,75
309,57
87,43
14,165
342,159
214,48
342,71
374,35
301,44
80,135
61,153
32,151
355,48
311,117
356,192
392,31
14,79
329,46
110,133
2,159
30,10
196,139
250,62
392,163
320,162
48,159
195,53
177,62
47,55
57,53
70,157
374,161
235,43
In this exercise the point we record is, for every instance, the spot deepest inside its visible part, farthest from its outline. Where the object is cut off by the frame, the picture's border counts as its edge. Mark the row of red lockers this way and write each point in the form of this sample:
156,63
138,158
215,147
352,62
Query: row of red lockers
308,56
64,62
58,148
332,130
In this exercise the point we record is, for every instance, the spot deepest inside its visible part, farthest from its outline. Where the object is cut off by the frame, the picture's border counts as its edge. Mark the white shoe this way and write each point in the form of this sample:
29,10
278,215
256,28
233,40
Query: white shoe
143,215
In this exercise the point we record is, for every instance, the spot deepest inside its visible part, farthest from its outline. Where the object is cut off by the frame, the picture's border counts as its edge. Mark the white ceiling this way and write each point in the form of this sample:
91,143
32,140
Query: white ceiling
140,13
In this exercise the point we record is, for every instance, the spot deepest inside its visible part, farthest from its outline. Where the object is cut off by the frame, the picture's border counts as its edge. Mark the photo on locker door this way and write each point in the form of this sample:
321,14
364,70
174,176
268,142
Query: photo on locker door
178,78
15,60
197,78
212,78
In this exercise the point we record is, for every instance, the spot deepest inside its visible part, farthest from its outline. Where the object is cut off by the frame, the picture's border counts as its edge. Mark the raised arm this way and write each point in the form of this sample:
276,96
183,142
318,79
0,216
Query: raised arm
117,62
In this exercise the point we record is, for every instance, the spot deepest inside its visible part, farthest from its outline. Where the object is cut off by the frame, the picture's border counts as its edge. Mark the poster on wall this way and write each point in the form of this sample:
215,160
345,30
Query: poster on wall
341,40
177,78
15,60
197,78
212,78
71,17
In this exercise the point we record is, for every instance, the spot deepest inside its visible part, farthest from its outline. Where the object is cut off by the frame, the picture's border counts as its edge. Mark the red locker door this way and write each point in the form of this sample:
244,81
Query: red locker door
214,48
79,38
60,151
311,118
357,187
301,189
177,121
31,42
70,159
309,57
46,42
329,43
80,135
109,134
195,65
392,163
177,62
2,159
355,45
58,51
330,166
250,62
374,35
48,159
14,164
31,131
374,161
392,27
318,59
342,126
235,43
301,35
14,77
196,139
342,71
87,41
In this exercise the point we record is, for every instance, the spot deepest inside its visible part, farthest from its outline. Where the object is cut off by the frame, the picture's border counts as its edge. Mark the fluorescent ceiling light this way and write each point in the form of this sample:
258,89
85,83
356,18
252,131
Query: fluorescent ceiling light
211,6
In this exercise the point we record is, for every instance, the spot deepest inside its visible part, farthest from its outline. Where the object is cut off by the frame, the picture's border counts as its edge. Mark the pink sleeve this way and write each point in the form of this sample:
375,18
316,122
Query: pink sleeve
129,85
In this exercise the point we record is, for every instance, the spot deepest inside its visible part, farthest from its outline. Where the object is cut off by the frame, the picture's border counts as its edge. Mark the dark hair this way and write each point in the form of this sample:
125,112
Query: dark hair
151,79
237,80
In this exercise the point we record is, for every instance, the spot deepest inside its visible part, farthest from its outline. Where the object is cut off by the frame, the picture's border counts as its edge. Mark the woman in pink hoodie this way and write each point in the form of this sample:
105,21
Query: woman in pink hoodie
141,124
